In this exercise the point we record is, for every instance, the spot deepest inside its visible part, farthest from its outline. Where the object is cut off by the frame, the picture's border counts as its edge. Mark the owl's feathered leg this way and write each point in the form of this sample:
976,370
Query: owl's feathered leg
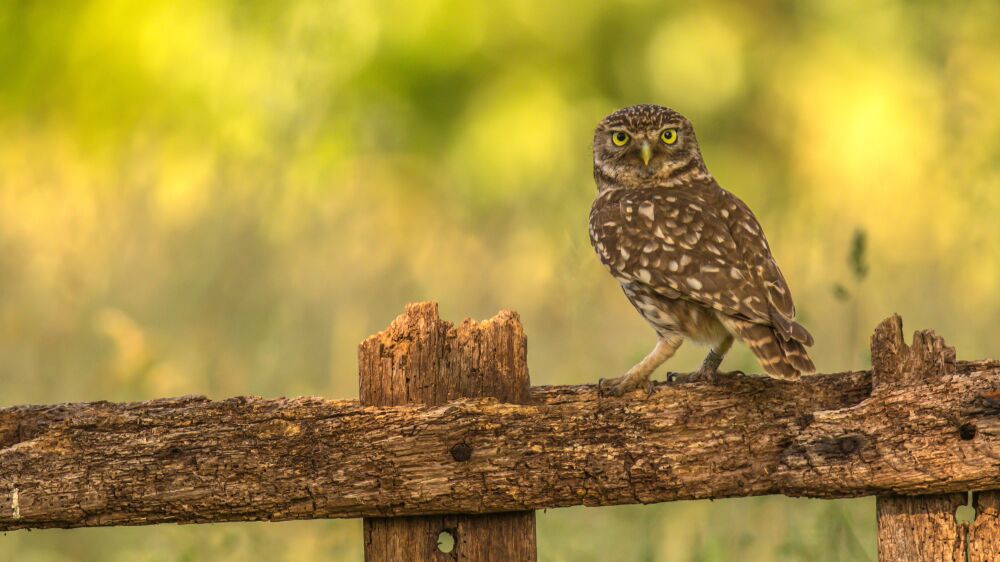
709,370
638,376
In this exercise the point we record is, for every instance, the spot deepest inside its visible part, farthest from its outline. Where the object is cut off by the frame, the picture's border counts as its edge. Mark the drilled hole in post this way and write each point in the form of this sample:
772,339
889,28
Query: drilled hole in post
446,541
461,452
967,432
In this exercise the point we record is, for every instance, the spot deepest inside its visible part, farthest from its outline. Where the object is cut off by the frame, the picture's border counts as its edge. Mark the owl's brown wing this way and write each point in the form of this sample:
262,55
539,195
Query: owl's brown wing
750,239
684,245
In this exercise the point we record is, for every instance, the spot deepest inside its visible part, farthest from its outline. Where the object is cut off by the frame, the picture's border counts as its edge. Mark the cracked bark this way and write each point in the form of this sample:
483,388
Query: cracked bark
935,430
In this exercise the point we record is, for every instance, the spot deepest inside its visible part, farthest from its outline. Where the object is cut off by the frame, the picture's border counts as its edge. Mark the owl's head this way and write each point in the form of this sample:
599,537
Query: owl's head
645,146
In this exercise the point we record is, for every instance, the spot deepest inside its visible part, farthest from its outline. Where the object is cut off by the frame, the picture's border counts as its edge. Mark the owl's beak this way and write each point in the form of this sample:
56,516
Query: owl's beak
646,151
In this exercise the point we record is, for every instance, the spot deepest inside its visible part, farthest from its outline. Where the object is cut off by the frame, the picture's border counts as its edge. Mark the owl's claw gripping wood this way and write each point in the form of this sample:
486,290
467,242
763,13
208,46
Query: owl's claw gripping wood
709,370
701,375
619,386
638,376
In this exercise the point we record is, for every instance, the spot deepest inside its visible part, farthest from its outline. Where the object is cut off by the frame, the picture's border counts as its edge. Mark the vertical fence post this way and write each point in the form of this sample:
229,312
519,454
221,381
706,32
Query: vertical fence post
984,533
420,359
914,528
920,528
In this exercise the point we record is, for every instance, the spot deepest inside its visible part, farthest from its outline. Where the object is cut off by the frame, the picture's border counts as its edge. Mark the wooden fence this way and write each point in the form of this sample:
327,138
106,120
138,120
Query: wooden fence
449,437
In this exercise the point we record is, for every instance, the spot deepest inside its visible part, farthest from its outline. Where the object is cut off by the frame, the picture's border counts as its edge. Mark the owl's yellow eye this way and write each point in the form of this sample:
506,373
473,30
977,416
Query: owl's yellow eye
619,138
669,136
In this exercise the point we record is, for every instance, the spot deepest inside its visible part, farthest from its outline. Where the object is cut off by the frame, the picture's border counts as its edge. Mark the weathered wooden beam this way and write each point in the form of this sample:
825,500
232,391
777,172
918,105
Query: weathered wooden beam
196,460
421,359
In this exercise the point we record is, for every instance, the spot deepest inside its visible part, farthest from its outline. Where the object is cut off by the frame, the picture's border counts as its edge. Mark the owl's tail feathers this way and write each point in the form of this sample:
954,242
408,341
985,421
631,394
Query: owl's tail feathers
789,329
799,333
781,358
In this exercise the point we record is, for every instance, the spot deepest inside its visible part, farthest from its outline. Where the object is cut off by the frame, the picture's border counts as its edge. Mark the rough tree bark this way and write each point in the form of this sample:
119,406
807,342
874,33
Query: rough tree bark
421,359
196,460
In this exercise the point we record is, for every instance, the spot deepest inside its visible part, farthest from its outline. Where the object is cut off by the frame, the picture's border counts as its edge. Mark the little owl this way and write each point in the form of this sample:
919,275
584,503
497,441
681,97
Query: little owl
690,256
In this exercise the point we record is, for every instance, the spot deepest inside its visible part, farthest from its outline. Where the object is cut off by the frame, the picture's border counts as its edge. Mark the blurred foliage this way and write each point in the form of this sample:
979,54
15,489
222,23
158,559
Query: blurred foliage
224,197
858,261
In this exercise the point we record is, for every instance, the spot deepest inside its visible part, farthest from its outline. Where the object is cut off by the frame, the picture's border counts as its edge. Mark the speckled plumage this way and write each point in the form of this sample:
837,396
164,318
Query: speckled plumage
690,256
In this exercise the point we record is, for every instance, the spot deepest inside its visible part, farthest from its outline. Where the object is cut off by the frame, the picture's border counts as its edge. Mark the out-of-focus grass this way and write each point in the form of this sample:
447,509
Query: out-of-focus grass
225,197
769,528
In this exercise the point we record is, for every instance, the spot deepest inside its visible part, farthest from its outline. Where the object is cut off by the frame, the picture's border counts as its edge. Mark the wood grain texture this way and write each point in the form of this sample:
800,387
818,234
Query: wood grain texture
984,533
420,359
916,528
495,537
196,460
920,528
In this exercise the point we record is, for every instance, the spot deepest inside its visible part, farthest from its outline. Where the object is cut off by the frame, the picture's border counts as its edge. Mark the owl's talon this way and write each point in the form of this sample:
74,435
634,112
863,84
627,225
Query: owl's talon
610,387
713,377
710,376
619,386
701,375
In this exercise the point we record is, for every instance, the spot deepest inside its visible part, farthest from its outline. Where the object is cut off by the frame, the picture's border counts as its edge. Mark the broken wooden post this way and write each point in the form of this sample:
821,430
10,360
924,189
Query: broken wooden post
915,528
420,359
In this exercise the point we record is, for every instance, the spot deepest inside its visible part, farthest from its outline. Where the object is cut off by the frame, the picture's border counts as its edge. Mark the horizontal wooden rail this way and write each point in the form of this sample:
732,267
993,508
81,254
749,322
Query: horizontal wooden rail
918,423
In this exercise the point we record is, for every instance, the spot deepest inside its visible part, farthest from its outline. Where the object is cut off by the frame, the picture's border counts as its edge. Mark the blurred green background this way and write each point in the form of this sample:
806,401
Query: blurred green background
224,197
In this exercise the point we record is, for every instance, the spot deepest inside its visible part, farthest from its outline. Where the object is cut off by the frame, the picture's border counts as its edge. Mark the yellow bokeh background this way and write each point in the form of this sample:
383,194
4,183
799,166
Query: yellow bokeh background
223,198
